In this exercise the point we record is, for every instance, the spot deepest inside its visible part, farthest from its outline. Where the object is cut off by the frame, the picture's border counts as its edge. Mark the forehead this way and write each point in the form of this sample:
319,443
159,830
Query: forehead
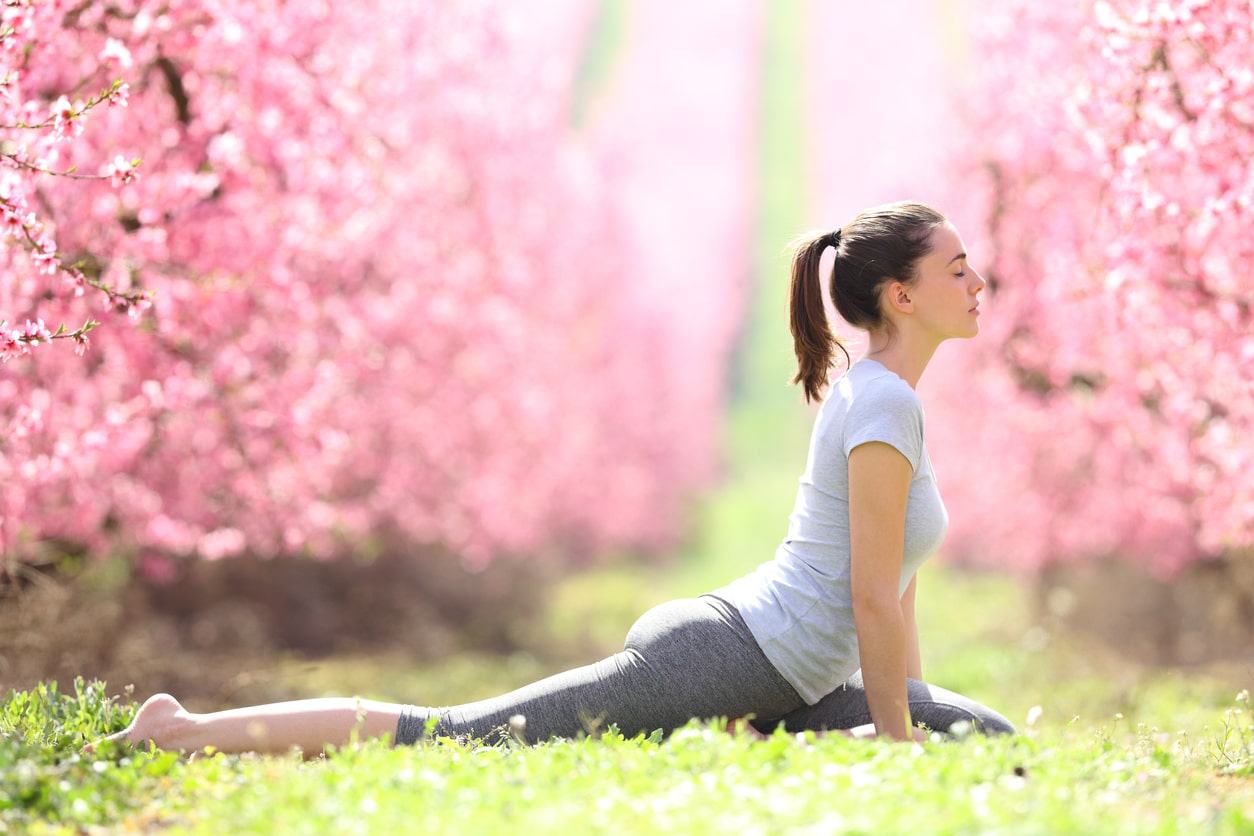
945,242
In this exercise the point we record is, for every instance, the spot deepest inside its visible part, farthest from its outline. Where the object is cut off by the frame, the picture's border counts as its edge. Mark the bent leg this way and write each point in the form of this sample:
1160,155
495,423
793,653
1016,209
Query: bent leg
309,725
935,708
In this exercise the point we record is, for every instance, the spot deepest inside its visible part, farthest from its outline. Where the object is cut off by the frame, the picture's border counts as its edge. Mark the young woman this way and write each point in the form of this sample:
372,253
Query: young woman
822,637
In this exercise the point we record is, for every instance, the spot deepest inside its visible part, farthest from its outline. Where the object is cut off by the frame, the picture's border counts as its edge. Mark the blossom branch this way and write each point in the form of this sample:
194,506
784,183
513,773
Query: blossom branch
18,342
64,113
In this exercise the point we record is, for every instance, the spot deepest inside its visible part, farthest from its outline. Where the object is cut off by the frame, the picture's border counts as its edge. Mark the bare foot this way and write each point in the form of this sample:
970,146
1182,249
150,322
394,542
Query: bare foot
160,720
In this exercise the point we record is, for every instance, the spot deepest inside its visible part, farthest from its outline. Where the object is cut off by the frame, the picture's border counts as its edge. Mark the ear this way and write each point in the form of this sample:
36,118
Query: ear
897,295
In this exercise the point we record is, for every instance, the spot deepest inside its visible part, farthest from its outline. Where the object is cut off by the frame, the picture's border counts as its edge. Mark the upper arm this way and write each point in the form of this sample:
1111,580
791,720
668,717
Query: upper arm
879,486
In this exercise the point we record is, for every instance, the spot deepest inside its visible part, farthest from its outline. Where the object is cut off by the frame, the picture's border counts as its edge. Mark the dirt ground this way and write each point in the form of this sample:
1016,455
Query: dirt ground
1203,614
218,623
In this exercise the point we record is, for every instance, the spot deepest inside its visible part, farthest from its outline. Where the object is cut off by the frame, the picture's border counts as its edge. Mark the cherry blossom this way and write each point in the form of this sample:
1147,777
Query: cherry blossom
380,294
1109,194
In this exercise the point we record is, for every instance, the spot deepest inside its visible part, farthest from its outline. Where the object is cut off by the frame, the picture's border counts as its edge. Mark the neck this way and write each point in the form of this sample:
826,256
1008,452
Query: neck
905,357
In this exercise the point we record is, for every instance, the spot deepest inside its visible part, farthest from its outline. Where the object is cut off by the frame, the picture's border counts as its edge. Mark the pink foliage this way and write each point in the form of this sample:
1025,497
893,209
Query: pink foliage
388,293
1110,392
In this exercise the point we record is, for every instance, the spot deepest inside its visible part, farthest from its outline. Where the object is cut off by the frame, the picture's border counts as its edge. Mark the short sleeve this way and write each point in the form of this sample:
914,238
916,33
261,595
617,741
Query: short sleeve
888,411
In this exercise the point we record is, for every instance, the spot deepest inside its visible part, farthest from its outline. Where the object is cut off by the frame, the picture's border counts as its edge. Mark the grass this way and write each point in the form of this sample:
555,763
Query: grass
1114,776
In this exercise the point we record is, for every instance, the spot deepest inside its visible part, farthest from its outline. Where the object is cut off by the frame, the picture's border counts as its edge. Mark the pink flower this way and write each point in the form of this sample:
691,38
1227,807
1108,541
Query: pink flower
14,223
78,280
10,345
136,306
115,55
120,95
121,171
35,332
45,257
64,124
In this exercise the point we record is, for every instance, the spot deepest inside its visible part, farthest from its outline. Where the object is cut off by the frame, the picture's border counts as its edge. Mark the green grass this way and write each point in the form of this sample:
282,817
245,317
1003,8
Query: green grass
1073,777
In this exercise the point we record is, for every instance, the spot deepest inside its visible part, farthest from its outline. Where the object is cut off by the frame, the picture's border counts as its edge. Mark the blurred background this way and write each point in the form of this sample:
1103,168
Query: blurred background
459,335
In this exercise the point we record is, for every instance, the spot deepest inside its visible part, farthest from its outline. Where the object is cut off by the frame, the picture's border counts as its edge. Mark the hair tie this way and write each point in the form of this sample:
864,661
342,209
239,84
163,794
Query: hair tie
833,238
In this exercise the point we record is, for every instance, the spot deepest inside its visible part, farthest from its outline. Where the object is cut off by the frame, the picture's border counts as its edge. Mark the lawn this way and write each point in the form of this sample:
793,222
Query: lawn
1192,771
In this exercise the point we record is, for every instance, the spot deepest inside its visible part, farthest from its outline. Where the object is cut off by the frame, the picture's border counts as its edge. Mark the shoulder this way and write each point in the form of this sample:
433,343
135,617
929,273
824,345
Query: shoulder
870,389
880,406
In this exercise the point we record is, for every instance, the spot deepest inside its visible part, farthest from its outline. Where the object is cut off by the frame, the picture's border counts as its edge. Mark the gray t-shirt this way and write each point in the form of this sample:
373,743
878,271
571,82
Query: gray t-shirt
799,606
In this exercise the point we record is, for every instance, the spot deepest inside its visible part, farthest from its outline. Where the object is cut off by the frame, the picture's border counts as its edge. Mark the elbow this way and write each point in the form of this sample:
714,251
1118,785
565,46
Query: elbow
876,609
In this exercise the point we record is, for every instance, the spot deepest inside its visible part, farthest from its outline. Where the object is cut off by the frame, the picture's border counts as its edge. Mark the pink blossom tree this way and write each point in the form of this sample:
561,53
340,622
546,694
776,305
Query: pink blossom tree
1110,158
386,290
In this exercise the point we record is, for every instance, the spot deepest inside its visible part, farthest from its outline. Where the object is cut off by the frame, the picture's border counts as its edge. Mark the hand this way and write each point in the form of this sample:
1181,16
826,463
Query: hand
866,732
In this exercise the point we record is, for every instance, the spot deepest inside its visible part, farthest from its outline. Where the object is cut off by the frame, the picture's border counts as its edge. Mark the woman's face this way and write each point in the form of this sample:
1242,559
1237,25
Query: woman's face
945,295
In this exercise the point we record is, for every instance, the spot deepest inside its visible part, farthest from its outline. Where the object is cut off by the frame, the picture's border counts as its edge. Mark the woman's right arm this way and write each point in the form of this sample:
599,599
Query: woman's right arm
879,485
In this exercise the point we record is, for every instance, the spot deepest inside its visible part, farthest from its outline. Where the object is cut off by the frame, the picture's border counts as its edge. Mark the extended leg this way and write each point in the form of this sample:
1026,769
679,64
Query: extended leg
309,725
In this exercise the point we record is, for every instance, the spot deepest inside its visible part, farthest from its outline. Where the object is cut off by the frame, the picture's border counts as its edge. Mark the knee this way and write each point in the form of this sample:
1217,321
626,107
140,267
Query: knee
985,721
989,722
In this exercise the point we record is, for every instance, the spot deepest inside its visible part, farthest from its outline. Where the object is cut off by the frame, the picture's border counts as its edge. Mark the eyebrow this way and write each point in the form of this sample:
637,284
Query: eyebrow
955,258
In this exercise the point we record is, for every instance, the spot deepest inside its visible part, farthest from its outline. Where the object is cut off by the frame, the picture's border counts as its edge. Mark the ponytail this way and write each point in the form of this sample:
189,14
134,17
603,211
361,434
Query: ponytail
813,340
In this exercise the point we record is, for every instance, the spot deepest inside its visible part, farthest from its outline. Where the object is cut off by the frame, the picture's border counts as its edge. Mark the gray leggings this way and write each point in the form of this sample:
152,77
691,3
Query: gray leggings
689,659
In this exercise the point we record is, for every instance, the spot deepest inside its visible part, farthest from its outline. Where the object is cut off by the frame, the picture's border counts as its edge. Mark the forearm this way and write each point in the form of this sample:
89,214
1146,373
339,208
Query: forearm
879,490
882,653
914,662
914,665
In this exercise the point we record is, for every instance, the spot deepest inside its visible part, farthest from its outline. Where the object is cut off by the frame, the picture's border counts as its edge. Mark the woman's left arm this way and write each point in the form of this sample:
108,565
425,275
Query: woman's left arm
914,663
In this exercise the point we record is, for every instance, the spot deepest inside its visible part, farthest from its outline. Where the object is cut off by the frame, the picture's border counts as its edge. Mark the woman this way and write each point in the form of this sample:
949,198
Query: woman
822,637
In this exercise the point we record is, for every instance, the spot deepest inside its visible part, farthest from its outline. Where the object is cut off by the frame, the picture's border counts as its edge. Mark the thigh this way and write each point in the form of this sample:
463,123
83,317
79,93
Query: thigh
684,660
930,706
700,660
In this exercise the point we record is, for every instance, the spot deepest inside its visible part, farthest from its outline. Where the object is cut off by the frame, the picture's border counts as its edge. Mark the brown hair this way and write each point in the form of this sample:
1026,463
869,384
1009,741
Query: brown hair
879,245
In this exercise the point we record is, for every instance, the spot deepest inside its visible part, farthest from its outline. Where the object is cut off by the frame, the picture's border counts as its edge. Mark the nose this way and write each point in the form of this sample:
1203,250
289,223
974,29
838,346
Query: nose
979,281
